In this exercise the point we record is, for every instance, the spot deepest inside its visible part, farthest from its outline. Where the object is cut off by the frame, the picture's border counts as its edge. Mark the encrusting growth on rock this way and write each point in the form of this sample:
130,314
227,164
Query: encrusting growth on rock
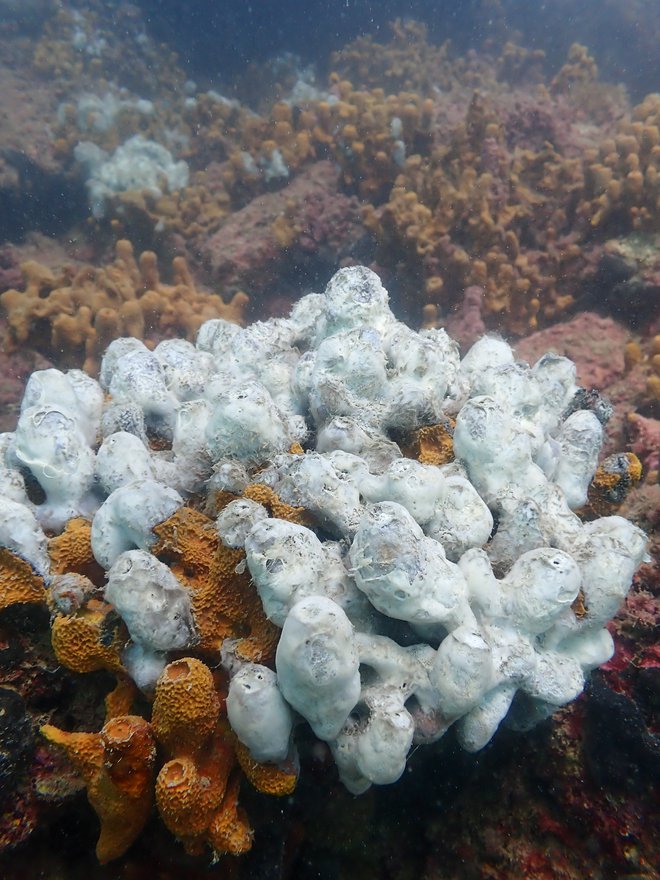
612,482
19,583
224,604
89,639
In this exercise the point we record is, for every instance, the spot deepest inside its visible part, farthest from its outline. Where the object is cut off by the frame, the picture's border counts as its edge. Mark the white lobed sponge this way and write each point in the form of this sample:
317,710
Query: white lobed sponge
317,664
416,598
259,714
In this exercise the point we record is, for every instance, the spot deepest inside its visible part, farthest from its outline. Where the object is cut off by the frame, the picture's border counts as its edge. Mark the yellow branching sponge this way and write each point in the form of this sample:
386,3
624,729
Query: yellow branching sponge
85,309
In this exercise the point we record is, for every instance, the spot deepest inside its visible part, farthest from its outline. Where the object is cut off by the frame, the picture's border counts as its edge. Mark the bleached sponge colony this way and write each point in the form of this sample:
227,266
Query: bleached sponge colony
137,164
421,597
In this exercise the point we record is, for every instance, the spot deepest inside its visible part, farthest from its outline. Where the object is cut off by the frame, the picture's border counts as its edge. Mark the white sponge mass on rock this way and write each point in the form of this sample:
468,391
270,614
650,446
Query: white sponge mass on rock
411,597
137,164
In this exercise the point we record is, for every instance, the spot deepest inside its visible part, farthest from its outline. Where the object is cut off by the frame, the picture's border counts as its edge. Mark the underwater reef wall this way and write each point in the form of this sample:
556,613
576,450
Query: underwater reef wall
493,190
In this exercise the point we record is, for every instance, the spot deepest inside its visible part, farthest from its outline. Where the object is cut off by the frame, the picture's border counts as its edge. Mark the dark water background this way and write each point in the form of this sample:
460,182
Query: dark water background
221,38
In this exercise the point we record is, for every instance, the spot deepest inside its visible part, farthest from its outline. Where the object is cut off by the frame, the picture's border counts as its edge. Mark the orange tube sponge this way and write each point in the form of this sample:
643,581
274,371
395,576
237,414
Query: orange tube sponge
190,794
261,636
180,796
197,789
230,830
432,444
117,766
267,496
121,698
186,707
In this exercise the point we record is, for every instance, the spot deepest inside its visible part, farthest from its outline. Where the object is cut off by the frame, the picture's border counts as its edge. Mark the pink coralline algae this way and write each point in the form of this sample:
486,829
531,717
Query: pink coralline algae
276,230
644,435
595,343
465,324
